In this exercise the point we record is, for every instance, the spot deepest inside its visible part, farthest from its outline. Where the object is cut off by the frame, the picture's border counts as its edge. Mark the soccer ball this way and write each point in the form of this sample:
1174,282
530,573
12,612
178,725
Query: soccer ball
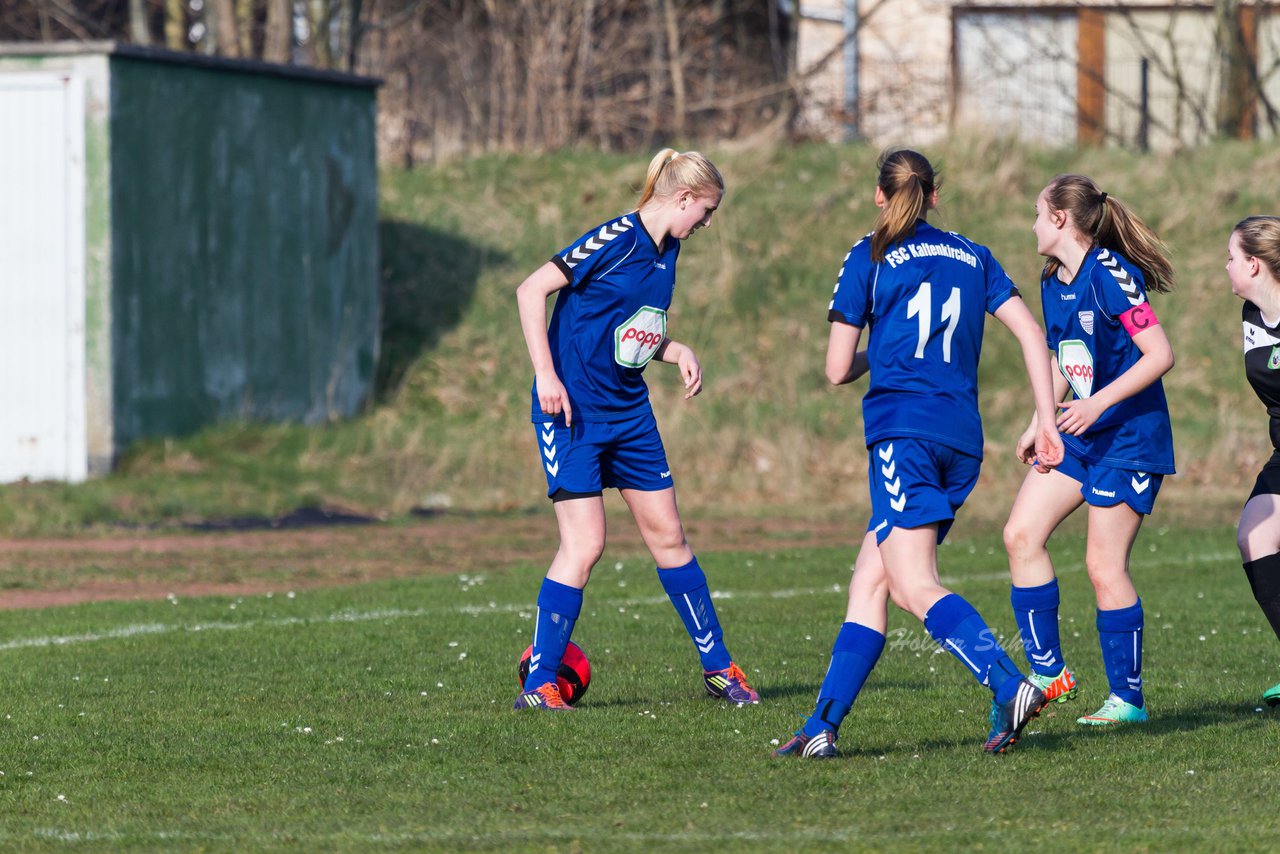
573,677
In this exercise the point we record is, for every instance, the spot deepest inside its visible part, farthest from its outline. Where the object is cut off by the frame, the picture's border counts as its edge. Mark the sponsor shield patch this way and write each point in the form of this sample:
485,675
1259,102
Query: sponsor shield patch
636,340
1076,363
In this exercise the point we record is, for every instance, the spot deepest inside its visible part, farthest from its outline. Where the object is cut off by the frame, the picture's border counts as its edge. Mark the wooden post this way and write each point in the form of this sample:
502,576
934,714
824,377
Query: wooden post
1249,104
1091,59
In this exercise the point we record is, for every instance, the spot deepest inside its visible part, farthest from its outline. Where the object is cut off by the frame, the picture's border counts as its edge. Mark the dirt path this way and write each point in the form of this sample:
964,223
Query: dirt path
50,572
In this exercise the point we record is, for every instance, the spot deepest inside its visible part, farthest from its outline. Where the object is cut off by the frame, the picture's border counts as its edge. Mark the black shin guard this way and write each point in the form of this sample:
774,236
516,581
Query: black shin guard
1264,578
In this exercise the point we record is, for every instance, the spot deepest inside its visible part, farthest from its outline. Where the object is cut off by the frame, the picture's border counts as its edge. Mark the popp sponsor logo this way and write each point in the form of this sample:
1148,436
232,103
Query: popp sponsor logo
636,340
1076,363
642,338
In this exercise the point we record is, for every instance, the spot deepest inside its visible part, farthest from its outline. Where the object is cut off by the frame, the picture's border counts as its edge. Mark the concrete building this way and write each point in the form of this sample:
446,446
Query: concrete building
1146,73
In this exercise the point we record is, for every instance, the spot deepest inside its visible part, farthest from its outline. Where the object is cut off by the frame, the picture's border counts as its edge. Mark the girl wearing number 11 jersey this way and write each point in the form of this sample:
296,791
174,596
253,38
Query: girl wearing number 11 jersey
923,294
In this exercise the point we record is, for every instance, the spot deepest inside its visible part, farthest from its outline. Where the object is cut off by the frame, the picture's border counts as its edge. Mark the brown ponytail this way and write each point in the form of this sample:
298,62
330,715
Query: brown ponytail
908,182
1110,224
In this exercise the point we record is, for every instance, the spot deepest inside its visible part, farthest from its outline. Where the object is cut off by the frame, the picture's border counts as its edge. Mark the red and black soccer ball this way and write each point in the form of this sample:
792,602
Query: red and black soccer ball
574,674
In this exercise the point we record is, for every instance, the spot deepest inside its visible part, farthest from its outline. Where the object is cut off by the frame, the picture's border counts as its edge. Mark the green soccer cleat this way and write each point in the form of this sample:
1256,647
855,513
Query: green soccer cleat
1113,712
1057,689
1271,696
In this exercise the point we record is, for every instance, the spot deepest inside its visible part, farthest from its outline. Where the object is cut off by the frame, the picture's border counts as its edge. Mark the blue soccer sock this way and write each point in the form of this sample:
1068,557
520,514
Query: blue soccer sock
1120,635
855,653
686,586
961,631
558,608
1036,611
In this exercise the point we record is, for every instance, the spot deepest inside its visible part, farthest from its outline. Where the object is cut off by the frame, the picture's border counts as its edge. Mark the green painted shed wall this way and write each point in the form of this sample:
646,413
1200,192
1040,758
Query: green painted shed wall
244,247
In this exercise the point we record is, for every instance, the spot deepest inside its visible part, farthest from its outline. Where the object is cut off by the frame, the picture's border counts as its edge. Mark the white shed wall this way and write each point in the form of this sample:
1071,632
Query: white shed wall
42,278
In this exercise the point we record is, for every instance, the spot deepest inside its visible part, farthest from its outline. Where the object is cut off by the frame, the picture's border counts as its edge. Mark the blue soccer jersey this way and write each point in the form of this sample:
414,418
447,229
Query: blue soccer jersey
926,304
1089,324
610,319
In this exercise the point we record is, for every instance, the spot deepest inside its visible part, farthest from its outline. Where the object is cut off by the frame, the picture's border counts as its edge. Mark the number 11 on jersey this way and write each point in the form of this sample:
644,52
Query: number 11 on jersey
920,306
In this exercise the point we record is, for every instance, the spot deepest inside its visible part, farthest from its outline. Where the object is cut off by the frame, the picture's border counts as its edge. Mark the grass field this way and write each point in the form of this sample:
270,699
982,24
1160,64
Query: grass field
377,717
448,427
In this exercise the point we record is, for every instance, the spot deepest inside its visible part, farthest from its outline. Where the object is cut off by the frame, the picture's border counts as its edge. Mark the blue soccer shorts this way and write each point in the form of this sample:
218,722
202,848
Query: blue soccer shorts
1102,486
915,482
592,456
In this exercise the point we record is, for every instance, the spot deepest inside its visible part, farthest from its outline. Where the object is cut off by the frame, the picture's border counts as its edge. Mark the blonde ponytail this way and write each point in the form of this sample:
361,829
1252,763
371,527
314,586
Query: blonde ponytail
671,171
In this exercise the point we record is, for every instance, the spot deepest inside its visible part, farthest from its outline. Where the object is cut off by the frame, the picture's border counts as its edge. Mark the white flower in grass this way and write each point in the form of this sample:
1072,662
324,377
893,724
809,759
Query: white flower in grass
435,741
452,644
773,741
291,595
462,656
62,798
439,684
617,567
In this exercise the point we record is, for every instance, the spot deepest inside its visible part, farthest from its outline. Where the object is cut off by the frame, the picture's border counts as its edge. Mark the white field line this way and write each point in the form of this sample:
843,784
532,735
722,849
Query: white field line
348,616
521,837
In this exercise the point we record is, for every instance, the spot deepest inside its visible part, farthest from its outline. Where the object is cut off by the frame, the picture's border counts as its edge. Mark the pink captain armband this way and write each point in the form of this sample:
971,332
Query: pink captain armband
1138,318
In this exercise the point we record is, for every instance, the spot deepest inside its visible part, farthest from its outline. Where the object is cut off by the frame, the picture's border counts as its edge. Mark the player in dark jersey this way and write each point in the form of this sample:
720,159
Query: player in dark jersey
594,425
1253,266
924,294
1110,352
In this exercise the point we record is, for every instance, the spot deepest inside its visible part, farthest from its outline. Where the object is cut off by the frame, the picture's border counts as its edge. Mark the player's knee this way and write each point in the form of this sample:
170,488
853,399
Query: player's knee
582,555
1019,541
912,598
1103,572
1255,541
1244,544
